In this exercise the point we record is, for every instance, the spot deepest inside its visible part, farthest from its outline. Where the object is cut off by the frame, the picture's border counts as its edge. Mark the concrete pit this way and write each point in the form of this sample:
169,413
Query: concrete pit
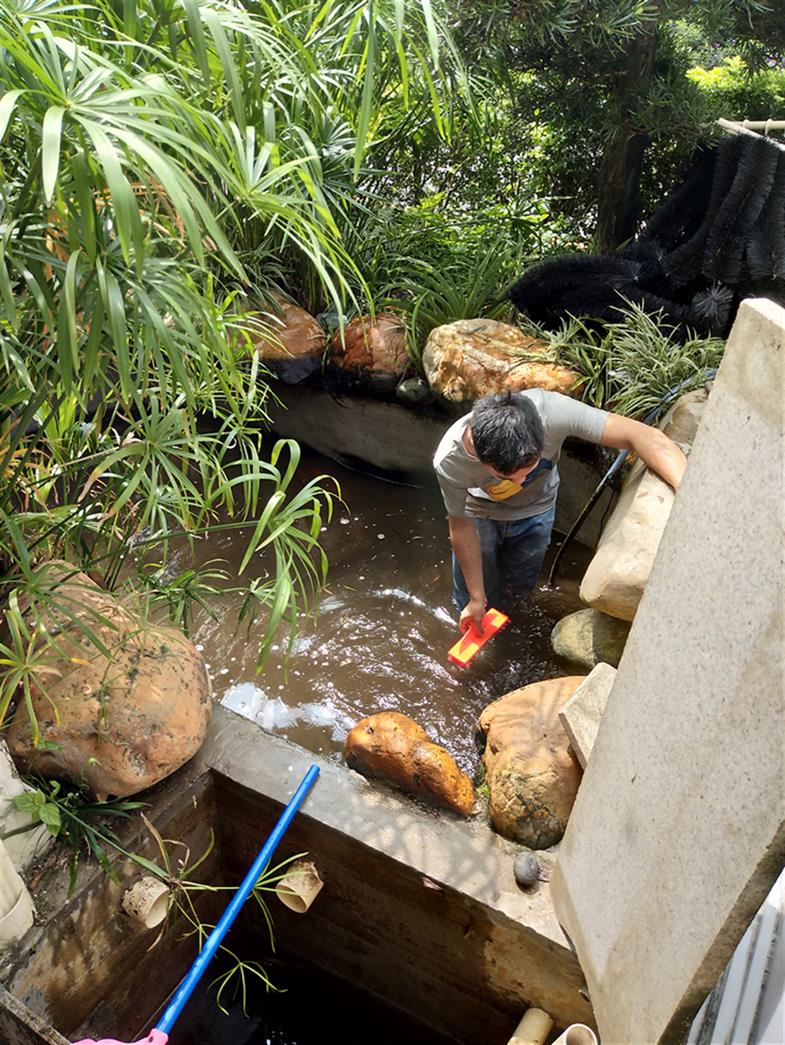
419,909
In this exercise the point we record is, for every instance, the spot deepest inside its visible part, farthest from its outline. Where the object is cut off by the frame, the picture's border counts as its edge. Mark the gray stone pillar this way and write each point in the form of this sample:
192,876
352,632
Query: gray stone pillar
678,831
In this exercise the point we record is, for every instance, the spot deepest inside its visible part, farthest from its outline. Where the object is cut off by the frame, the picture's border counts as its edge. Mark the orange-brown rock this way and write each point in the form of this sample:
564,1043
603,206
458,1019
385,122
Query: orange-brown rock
289,340
391,745
373,348
530,769
119,723
476,357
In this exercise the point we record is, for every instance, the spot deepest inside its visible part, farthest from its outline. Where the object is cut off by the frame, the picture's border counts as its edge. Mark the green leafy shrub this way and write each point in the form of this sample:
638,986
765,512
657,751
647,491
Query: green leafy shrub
732,91
152,174
79,823
630,365
436,266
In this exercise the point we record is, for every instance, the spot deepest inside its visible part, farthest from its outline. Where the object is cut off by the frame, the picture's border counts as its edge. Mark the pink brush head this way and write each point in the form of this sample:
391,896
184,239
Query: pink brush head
155,1037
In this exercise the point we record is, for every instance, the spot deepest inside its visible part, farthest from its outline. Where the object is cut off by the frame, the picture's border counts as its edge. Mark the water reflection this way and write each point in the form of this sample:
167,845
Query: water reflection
383,629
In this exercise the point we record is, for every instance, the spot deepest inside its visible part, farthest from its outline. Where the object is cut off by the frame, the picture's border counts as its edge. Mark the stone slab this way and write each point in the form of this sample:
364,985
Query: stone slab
582,714
678,831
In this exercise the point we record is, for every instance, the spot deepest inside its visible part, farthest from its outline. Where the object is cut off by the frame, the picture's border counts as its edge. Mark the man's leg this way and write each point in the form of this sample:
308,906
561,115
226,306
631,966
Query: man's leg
490,542
522,551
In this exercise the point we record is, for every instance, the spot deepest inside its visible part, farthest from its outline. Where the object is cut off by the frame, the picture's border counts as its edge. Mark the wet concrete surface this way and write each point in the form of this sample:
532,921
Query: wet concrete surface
383,629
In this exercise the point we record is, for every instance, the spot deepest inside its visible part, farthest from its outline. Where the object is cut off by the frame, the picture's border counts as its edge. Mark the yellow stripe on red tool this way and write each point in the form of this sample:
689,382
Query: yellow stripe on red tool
470,642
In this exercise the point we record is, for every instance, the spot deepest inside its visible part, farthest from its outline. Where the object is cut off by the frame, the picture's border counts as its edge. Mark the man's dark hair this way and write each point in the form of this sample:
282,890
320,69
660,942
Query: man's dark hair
507,432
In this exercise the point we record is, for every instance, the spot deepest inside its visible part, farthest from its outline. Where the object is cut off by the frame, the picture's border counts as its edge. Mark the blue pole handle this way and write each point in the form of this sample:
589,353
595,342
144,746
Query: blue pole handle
244,890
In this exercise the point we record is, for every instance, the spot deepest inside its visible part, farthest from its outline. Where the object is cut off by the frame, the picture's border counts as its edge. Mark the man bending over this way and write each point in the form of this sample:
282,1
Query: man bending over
497,472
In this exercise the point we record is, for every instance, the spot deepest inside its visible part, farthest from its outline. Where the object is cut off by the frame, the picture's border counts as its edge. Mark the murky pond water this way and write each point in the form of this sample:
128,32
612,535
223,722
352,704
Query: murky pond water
383,630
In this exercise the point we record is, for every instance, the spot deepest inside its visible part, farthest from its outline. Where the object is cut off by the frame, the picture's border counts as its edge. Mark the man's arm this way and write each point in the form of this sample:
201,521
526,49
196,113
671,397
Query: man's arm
654,448
465,543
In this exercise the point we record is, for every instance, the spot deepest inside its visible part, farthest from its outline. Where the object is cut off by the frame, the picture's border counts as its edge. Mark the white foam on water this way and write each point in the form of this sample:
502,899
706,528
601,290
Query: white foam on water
245,698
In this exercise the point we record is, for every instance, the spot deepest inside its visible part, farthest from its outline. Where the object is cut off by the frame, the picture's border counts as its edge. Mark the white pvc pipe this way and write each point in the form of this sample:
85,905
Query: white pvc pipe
16,906
577,1034
147,902
300,886
533,1029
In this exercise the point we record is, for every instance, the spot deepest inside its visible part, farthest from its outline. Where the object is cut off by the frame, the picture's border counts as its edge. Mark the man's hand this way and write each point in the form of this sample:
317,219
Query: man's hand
473,613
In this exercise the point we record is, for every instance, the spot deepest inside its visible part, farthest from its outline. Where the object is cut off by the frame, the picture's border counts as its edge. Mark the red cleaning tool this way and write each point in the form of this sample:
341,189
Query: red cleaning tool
470,642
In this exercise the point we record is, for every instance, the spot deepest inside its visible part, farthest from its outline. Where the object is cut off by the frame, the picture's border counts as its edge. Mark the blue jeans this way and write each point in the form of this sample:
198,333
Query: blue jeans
512,554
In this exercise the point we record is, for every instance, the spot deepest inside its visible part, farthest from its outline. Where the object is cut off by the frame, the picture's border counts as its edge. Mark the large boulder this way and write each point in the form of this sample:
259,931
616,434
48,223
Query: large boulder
530,769
370,354
393,746
589,637
617,575
290,342
475,357
118,721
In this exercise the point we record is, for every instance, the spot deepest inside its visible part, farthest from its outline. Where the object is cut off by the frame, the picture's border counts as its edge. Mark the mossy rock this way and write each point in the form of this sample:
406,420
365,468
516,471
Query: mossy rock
589,638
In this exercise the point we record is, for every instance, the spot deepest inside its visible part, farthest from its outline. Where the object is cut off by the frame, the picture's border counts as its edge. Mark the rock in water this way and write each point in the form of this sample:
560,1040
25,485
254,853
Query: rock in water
531,771
414,391
589,638
526,869
393,746
616,577
474,357
371,356
116,724
288,339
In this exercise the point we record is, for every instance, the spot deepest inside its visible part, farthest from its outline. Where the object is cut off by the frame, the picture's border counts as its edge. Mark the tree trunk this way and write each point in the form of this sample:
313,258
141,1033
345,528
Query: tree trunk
618,195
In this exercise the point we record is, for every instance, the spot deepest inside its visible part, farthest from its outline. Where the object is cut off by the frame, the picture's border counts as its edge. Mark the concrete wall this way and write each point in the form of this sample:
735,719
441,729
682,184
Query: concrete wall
20,1026
84,969
678,832
419,908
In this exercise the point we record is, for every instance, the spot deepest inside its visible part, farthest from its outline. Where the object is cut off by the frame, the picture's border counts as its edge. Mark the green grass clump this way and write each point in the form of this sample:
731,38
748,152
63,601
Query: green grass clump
628,366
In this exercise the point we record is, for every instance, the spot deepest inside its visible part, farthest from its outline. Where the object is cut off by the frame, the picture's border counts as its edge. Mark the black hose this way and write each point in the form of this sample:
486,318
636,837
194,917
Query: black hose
616,467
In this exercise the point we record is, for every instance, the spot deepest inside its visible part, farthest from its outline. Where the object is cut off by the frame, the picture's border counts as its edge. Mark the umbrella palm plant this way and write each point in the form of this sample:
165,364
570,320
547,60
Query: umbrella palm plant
158,158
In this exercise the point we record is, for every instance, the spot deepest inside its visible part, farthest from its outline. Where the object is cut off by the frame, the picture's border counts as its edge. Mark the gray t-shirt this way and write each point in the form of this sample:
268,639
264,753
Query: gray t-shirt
469,489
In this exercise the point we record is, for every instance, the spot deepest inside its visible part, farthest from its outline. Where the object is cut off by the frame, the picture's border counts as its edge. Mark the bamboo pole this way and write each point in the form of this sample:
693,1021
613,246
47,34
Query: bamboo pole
753,125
